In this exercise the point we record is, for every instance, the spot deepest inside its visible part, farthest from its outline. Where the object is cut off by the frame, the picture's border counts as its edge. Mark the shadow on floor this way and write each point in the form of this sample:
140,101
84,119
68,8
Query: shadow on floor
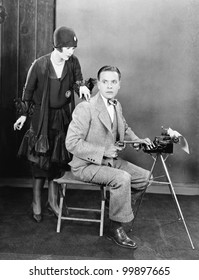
158,233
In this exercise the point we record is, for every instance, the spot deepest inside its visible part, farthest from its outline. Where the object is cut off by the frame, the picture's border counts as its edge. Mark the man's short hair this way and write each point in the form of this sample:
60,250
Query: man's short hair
108,68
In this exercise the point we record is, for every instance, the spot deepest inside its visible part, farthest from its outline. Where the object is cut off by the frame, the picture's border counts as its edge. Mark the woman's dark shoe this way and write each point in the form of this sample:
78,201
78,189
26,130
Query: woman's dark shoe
51,211
37,217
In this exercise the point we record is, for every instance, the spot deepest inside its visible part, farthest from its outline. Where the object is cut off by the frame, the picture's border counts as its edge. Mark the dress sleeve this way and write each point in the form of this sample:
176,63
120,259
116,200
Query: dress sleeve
78,77
89,83
25,105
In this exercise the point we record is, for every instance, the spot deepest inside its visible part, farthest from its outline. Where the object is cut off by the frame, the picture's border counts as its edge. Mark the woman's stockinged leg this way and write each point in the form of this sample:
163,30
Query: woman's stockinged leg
53,196
38,184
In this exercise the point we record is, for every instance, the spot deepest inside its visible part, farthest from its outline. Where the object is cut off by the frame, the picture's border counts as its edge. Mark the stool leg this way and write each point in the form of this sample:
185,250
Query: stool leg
61,206
103,198
102,218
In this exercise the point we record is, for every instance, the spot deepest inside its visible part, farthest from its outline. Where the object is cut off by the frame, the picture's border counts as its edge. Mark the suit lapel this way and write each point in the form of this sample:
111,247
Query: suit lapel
103,113
105,118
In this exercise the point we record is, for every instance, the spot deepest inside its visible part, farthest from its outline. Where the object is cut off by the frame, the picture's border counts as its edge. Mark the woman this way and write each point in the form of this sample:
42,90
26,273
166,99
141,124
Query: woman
48,98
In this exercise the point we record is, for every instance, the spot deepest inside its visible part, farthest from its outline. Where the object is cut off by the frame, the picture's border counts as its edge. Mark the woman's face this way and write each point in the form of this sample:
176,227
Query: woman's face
66,52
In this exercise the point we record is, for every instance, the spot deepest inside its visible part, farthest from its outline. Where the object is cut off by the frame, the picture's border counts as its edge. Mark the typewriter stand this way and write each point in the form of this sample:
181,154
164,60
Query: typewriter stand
172,191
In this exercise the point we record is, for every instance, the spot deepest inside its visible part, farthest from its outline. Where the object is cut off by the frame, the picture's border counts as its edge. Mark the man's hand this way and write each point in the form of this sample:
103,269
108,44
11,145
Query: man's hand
146,141
19,123
112,151
84,91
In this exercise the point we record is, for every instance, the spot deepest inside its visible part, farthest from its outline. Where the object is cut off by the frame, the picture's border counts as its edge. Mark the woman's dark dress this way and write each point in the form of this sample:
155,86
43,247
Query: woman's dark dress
48,100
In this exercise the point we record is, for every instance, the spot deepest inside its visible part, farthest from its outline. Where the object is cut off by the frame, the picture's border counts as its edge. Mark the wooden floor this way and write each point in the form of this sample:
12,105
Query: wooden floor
157,231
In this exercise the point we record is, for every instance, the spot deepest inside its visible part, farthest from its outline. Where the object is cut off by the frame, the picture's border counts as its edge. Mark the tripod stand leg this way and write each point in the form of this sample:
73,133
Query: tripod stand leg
176,200
154,162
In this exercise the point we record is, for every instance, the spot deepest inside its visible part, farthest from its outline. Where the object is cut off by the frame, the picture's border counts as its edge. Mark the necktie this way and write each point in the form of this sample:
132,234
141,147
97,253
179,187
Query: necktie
111,109
112,102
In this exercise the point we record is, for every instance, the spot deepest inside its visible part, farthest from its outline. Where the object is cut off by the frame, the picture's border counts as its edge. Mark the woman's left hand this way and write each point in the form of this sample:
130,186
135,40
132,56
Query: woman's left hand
84,92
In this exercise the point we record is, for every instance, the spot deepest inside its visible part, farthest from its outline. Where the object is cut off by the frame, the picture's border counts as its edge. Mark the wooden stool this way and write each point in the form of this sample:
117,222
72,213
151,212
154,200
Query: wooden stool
63,183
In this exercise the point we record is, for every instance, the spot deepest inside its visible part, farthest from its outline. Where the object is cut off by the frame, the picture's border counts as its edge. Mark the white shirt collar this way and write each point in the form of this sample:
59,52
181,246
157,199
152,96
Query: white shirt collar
105,100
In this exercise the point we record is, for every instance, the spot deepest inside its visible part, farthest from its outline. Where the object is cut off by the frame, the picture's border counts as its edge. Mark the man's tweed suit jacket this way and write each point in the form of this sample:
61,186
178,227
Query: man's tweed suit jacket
89,133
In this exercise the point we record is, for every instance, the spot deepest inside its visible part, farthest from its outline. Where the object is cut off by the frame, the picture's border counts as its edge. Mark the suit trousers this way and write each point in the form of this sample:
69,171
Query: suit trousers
120,177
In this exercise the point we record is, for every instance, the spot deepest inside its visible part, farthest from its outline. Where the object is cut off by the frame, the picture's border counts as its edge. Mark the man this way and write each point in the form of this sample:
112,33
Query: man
95,128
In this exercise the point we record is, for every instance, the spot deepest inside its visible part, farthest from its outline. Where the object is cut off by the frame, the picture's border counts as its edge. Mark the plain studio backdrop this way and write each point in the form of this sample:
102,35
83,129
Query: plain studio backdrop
155,44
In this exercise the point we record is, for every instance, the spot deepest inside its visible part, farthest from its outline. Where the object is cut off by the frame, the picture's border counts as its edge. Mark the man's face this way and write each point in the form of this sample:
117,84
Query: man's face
108,84
66,52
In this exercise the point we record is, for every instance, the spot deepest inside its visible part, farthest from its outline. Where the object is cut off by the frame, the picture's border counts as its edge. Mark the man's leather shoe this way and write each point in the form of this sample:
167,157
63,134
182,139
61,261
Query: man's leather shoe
128,227
119,236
